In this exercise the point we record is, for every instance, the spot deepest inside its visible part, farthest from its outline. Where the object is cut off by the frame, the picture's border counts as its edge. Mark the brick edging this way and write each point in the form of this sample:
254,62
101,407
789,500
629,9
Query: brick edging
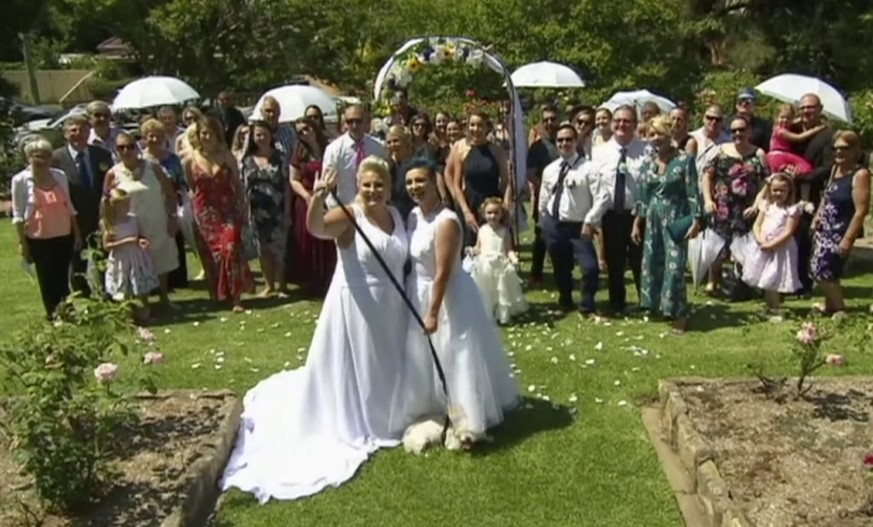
697,456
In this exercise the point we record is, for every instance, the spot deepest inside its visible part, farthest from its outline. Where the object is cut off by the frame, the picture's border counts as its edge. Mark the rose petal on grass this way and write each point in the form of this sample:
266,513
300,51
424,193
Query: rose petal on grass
590,362
622,403
531,388
573,398
598,346
554,360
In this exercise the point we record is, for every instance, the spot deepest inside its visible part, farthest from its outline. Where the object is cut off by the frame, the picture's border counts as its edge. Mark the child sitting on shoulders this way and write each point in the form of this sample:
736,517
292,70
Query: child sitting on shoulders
495,264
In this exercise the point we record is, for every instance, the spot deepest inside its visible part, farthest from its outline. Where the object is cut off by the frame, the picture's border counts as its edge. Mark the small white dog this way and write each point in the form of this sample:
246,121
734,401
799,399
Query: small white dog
428,432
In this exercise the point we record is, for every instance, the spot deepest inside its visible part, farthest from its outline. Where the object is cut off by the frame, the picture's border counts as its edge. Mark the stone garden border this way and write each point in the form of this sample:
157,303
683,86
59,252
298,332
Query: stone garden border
689,462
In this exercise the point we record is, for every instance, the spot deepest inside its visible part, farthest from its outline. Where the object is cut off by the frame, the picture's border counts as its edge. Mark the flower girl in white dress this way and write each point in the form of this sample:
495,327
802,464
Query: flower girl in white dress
130,272
494,269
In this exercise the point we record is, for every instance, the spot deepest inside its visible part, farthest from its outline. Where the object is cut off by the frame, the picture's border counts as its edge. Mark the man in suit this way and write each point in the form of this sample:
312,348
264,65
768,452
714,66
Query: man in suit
617,165
85,166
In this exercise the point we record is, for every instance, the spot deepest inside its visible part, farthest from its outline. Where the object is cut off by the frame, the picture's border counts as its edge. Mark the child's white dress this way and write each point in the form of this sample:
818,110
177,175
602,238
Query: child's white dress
496,276
774,270
130,271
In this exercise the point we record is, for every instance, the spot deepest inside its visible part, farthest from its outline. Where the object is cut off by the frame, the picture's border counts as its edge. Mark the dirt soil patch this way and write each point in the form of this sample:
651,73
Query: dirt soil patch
787,461
177,431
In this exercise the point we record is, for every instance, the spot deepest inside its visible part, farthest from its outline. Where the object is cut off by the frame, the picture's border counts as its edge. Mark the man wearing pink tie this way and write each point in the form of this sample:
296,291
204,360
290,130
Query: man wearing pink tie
347,151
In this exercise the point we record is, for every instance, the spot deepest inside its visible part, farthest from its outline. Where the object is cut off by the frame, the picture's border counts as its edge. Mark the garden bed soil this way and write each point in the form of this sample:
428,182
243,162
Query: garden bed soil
784,461
168,470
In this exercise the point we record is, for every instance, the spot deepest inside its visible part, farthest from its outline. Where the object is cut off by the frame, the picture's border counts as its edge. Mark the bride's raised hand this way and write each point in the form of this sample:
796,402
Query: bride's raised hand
326,183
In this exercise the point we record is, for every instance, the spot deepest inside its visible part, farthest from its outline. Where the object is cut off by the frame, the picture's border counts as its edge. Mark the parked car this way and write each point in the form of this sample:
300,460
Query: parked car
23,113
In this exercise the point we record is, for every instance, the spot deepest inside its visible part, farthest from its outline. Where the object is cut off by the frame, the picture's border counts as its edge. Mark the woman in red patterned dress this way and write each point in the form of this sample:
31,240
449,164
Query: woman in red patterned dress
312,261
220,213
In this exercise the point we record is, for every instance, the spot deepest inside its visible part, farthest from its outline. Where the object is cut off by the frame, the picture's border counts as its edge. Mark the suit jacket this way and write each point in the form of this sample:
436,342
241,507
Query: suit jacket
86,200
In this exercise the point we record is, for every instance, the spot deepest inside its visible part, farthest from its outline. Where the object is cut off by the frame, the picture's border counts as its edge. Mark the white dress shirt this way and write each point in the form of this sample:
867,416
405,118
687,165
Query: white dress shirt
108,144
342,156
604,160
579,189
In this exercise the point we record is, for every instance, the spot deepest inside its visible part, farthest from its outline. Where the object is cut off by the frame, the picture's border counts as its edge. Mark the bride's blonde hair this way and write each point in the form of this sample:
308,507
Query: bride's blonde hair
379,166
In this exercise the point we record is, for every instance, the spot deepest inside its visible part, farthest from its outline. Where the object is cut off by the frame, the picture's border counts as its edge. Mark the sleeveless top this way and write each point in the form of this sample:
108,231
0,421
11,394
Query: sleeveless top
358,266
422,241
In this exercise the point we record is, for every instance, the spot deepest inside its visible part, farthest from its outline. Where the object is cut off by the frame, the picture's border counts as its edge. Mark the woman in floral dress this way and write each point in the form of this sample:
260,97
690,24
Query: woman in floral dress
314,260
220,211
731,183
265,173
840,219
668,199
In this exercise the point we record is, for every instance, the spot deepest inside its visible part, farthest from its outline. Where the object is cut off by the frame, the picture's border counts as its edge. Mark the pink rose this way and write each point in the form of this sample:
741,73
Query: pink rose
145,335
738,187
106,372
835,360
737,170
153,357
807,333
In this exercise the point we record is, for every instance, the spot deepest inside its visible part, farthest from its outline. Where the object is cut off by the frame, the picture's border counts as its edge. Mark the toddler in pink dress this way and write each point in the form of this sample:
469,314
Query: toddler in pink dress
772,264
780,156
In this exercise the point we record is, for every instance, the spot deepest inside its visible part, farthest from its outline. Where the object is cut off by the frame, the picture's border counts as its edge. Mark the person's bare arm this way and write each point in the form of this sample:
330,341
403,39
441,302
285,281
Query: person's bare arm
333,224
756,230
446,246
793,137
691,147
861,198
296,181
786,234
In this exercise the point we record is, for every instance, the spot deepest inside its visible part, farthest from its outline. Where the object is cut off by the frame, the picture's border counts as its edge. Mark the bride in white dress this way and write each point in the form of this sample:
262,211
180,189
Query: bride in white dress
311,428
465,336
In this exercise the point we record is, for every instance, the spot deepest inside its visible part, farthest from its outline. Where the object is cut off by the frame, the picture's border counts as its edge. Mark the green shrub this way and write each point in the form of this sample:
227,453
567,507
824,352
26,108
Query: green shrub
69,397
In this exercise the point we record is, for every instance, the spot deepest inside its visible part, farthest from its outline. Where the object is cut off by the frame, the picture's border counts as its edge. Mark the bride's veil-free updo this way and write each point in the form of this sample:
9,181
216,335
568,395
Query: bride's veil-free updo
378,165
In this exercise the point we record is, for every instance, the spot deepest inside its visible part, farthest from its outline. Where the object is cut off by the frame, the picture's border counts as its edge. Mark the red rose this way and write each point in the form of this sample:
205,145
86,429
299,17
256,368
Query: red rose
868,461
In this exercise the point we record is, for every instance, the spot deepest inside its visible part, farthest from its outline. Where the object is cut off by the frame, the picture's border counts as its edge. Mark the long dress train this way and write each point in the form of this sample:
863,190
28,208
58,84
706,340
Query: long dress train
480,384
311,428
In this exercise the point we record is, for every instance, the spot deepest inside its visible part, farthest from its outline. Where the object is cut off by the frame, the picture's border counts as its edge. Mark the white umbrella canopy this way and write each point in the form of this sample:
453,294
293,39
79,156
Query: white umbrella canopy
637,99
153,91
791,88
546,75
293,101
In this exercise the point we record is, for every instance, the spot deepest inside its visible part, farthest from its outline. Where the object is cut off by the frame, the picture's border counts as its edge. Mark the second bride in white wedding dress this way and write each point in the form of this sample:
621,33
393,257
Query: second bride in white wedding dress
465,336
311,428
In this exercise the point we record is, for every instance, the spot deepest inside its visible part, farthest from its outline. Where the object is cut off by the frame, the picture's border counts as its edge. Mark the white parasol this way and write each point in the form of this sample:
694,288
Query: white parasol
637,99
149,92
703,250
546,75
294,99
791,88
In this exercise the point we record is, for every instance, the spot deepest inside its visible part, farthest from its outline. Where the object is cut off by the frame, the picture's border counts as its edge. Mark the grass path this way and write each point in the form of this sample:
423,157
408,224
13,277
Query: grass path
576,454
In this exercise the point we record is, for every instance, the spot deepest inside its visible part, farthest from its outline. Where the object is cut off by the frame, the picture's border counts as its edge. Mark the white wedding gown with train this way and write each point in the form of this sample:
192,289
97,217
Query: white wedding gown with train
312,428
480,384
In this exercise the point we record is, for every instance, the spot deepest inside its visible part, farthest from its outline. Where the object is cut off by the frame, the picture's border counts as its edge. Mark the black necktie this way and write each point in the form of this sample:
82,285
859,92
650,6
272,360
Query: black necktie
559,190
84,177
620,174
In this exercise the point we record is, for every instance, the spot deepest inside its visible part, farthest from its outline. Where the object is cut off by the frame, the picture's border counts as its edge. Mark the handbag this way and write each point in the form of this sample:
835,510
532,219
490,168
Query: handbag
678,228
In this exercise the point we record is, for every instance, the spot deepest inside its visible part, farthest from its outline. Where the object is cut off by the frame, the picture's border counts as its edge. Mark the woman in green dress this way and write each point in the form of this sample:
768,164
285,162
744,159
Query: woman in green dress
669,212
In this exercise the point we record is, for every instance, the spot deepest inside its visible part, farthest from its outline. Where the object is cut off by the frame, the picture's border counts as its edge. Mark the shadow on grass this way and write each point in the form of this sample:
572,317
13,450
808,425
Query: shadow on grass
533,416
201,309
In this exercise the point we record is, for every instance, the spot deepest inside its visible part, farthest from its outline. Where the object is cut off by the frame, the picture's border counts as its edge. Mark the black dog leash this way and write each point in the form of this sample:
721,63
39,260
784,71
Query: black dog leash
433,353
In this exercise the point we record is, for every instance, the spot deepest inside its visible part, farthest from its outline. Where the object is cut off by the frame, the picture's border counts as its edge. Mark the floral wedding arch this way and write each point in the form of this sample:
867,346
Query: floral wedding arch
419,53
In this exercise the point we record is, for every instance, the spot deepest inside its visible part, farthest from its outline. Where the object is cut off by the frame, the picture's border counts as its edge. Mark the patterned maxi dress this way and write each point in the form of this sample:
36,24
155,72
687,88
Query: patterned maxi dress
218,211
838,207
665,198
735,187
267,190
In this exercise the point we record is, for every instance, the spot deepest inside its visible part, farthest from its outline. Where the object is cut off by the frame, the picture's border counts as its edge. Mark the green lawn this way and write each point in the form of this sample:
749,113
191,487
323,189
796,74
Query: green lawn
576,454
